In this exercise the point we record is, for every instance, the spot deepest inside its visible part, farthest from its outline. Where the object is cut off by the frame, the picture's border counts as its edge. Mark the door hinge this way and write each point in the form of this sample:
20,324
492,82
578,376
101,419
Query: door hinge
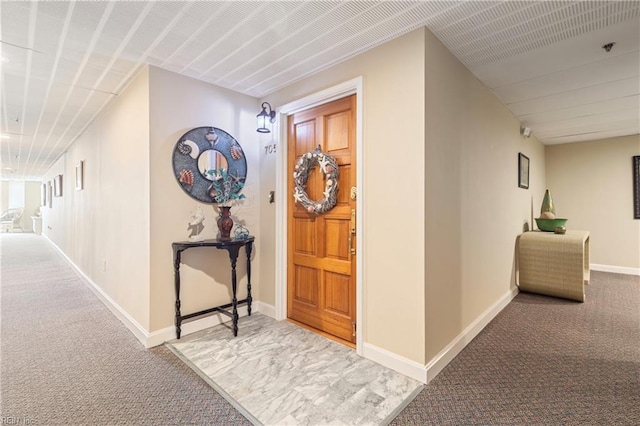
353,329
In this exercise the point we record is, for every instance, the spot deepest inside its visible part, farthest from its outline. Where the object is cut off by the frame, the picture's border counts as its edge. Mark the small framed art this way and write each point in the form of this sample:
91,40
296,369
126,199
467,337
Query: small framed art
57,186
80,176
523,171
43,194
49,195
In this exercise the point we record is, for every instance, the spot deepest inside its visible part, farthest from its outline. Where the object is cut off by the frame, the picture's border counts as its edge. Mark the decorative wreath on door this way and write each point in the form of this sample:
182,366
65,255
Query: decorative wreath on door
303,168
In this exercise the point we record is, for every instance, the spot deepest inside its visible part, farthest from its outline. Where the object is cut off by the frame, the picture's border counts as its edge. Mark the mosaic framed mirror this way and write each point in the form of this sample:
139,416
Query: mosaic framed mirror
200,151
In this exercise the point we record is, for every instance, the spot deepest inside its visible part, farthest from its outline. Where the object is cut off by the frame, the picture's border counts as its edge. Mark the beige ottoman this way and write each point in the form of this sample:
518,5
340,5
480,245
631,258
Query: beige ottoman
553,264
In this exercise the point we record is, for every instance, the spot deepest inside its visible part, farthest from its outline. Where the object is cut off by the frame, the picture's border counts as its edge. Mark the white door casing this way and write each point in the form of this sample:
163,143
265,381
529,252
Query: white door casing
354,86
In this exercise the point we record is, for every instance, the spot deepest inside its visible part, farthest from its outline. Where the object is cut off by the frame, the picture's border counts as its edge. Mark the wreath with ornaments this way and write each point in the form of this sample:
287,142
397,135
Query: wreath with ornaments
302,170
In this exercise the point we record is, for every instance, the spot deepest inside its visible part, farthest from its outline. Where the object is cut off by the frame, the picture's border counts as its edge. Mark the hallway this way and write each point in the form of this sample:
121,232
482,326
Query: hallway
65,359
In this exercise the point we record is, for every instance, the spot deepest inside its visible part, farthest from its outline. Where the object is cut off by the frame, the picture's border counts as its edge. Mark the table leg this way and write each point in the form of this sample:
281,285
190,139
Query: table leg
248,248
176,271
233,257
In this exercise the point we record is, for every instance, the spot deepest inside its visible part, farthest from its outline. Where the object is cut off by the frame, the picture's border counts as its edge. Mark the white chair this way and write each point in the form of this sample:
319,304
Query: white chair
10,219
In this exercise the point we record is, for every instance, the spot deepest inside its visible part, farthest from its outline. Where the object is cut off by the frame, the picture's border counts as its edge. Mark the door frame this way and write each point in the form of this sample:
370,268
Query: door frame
350,87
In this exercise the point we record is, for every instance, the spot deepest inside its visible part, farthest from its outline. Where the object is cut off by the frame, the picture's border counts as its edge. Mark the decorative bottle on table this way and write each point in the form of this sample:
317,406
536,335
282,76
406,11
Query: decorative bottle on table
225,222
547,206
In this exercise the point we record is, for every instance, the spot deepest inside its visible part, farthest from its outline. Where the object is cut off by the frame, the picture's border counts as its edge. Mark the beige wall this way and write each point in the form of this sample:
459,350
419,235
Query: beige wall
104,229
179,104
393,188
439,158
591,185
474,207
266,244
452,150
119,229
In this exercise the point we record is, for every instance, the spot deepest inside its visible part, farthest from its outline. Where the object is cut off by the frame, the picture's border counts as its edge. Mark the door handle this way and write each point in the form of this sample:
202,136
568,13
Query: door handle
352,250
352,223
352,231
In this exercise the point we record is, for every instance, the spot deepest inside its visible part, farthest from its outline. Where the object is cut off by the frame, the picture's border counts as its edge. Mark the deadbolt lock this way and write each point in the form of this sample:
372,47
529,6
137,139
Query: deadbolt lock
353,193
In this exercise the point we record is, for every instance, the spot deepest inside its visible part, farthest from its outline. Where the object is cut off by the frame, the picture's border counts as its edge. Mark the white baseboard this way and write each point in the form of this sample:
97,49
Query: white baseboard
156,338
415,370
402,365
440,361
128,321
265,309
615,269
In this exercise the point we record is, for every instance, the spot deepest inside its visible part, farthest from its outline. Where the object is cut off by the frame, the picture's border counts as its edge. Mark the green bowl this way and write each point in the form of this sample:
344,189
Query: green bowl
550,225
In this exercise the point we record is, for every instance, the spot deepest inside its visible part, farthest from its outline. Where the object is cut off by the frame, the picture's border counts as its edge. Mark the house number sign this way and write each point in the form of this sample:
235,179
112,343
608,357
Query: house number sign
270,149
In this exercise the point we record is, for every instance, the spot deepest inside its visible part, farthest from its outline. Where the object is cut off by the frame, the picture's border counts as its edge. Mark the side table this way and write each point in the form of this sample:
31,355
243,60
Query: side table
233,247
553,264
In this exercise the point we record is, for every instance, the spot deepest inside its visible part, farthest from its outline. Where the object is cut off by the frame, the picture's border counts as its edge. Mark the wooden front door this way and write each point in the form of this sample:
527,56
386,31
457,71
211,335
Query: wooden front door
321,282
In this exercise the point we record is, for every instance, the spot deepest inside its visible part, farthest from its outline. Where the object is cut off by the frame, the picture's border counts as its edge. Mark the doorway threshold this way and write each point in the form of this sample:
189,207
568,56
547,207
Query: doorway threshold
322,333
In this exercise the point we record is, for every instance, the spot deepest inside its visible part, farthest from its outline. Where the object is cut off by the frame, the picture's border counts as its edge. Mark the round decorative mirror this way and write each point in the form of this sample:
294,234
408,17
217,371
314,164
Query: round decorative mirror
211,160
202,156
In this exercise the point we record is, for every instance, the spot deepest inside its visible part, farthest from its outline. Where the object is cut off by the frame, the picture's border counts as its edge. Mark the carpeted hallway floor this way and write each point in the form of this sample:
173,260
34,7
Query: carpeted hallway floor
545,361
66,360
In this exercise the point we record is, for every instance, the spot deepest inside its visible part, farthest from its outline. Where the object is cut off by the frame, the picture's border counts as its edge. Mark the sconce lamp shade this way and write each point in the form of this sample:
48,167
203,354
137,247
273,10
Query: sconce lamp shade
265,117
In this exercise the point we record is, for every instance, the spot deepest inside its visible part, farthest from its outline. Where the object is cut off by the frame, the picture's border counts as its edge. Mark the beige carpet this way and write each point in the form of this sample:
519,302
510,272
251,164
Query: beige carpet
66,360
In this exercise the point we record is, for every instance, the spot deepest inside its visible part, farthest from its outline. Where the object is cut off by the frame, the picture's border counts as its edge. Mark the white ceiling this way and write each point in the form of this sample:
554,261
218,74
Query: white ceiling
63,62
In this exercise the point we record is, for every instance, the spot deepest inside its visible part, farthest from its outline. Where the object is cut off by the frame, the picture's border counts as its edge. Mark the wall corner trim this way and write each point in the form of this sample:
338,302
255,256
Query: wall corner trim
426,373
442,359
264,308
615,269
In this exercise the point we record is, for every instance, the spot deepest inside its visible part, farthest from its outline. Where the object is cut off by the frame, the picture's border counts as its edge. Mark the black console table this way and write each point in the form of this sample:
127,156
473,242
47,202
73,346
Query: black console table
233,247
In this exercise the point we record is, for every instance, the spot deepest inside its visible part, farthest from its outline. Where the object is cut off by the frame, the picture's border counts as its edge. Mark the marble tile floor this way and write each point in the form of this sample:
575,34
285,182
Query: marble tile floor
276,373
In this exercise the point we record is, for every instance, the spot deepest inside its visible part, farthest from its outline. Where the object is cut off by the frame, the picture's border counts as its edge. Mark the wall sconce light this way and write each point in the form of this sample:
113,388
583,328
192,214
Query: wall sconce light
525,131
265,117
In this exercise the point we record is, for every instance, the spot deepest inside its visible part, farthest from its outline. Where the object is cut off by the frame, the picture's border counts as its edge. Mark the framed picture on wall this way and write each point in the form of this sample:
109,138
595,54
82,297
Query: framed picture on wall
49,195
43,194
523,171
57,186
636,187
80,176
